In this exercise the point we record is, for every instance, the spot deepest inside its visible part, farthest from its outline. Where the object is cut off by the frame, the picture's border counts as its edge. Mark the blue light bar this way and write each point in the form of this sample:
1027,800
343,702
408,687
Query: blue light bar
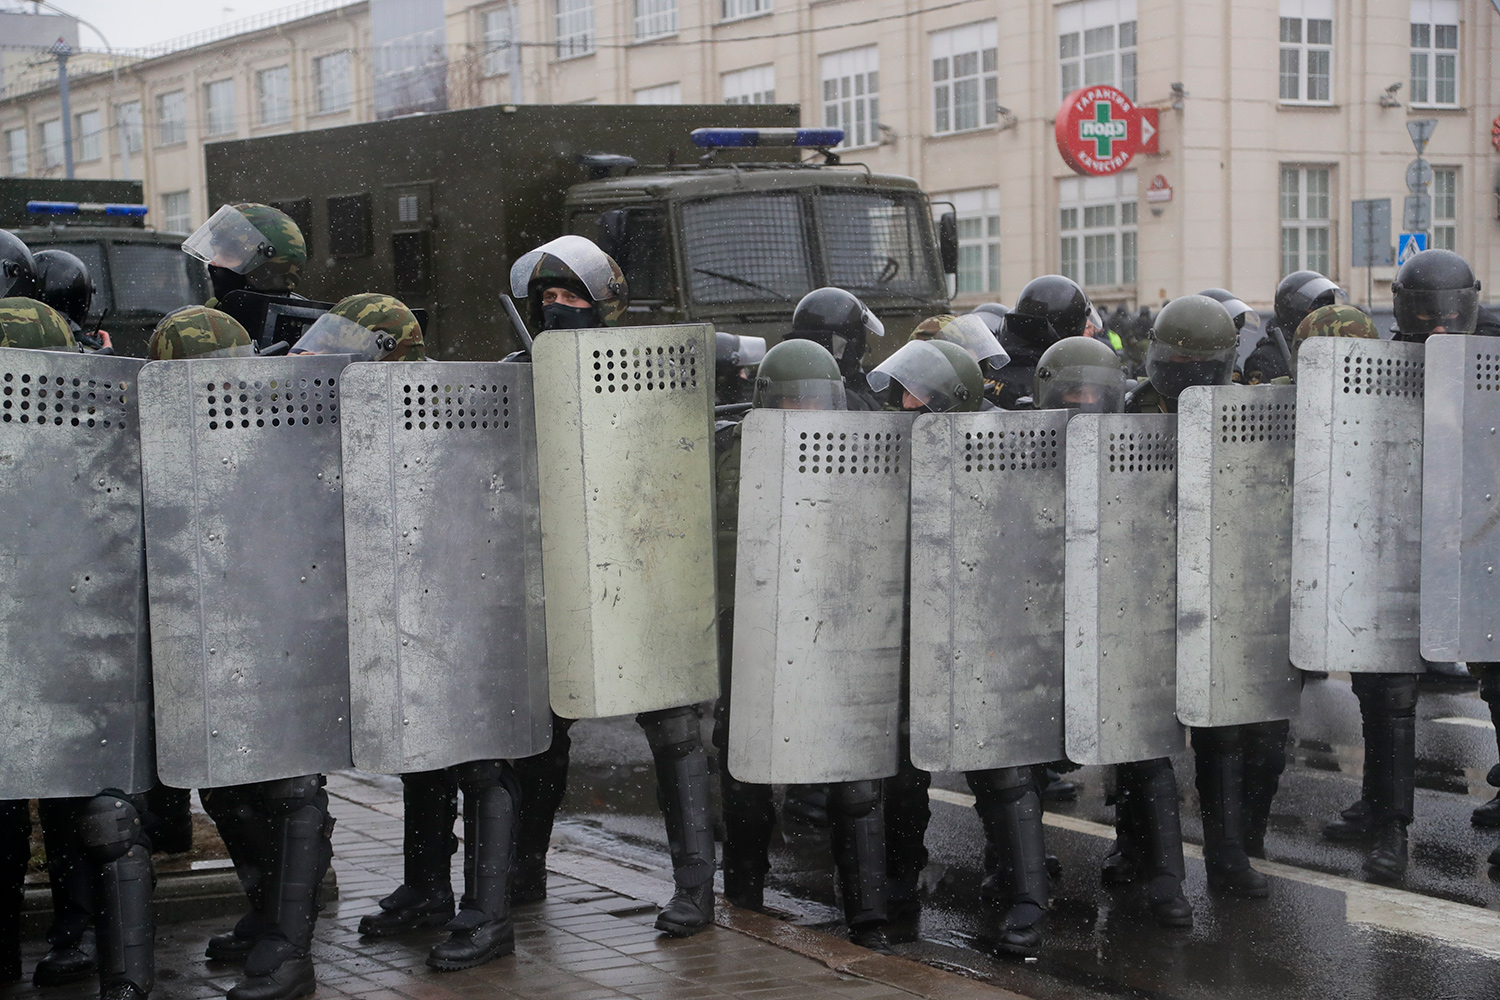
85,207
738,138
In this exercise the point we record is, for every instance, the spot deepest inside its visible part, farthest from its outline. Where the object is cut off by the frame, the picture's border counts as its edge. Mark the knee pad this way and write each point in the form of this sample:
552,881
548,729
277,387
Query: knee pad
477,775
286,795
1390,694
999,784
854,800
109,827
673,733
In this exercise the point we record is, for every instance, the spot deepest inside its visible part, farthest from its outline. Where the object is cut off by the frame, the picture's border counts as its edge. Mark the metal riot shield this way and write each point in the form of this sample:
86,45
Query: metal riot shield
447,640
987,589
245,557
1357,506
1120,662
1234,554
624,424
1460,485
75,671
820,580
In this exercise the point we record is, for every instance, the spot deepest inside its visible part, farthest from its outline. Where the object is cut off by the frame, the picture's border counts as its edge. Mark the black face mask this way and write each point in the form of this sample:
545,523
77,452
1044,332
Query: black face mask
556,316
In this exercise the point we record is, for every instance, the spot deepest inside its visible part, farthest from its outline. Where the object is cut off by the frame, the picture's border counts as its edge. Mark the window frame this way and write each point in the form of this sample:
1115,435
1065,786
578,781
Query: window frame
740,10
660,89
750,78
986,77
1075,20
131,127
1077,198
981,208
88,146
11,152
1448,221
322,87
568,46
664,15
177,122
217,124
855,77
1303,224
1304,13
43,145
495,43
261,76
167,216
1430,52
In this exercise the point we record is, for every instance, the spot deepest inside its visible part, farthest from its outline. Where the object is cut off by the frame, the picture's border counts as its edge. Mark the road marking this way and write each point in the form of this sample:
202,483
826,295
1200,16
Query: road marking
1386,907
1464,720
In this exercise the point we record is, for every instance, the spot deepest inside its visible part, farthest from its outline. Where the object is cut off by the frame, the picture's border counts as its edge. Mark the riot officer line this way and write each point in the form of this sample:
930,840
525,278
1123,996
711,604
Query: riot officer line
390,614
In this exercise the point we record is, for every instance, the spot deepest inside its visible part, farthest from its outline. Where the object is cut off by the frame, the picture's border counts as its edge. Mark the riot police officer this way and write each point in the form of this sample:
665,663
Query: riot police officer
1079,373
17,268
1298,294
249,248
802,375
1050,308
842,324
1434,292
569,283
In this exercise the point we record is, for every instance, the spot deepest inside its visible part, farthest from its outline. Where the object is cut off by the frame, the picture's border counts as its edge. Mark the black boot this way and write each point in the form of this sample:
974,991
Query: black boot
483,930
425,897
1488,815
1265,760
748,811
1010,810
114,838
857,834
15,855
1122,864
907,813
543,782
1220,757
682,792
249,836
1395,794
1153,795
280,965
73,954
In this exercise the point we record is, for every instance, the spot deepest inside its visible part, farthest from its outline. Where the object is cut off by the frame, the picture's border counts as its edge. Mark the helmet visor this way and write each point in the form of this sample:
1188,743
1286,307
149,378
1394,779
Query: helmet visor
1172,369
231,241
738,350
873,324
1086,388
1318,291
923,372
1244,317
577,254
971,333
332,334
1437,310
800,394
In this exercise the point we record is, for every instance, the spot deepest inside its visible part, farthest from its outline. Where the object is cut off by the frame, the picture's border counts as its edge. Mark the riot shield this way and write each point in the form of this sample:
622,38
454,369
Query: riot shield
447,640
820,580
1357,506
1234,554
1460,608
75,688
987,589
624,443
245,557
1120,661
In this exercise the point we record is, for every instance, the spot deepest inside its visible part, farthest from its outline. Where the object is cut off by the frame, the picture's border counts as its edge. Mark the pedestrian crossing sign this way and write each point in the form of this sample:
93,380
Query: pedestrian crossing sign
1408,244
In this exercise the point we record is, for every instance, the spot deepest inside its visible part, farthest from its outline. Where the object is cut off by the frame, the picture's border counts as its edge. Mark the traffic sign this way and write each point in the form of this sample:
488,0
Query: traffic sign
1417,216
1371,221
1418,176
1421,130
1408,244
1099,130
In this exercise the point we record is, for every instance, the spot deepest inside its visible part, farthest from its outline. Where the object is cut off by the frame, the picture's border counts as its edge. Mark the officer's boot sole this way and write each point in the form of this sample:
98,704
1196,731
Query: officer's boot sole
688,912
293,978
1487,816
466,950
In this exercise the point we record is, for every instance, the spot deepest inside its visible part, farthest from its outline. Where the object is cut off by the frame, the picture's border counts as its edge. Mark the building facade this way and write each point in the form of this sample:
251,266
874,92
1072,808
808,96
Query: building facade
1275,115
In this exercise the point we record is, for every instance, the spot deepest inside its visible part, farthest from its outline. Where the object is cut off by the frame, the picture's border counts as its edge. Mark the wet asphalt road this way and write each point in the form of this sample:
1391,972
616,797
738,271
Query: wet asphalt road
1325,932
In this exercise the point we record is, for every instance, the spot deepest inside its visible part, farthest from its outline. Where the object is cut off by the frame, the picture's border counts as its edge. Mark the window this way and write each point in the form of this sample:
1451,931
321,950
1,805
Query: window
1097,222
575,28
176,212
876,243
1445,209
331,75
151,278
1307,51
1434,52
978,240
964,84
1096,44
1305,231
128,121
16,160
88,132
655,18
273,94
667,93
756,85
748,248
851,95
52,144
496,29
171,118
218,107
734,9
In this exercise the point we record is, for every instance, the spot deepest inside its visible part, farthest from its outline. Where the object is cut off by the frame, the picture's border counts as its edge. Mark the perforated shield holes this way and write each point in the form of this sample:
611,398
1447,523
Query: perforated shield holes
1486,372
1011,451
1243,423
31,393
239,404
1143,451
449,406
646,369
845,453
1371,374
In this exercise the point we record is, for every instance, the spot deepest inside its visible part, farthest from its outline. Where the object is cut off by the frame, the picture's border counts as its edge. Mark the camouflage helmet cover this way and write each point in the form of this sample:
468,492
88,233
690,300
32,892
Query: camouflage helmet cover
198,332
1336,321
33,325
282,268
386,314
969,332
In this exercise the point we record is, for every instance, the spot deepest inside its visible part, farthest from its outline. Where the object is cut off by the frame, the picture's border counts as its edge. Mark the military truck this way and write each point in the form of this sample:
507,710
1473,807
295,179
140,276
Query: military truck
140,274
434,208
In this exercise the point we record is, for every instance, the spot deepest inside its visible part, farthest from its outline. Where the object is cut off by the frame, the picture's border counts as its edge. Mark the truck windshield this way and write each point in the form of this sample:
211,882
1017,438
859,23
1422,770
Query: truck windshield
747,248
152,278
876,242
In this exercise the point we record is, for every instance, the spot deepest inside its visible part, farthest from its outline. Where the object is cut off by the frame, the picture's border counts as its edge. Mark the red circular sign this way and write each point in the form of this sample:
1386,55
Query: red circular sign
1099,130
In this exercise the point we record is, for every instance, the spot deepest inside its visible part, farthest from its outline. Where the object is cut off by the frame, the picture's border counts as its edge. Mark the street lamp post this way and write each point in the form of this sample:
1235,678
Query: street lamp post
62,50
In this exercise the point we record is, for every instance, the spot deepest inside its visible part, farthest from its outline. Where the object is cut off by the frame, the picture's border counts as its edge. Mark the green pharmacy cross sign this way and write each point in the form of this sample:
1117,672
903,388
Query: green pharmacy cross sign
1099,130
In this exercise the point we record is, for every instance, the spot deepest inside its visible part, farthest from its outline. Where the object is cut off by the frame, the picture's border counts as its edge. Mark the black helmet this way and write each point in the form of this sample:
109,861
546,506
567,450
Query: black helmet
17,268
1435,291
993,314
1300,293
1050,308
1242,314
65,284
836,319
